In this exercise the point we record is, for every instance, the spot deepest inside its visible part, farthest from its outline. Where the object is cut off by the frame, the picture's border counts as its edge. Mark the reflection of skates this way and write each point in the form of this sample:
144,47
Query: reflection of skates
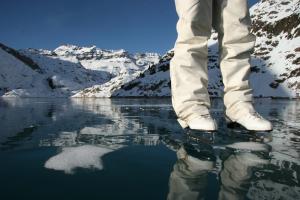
200,136
240,134
227,137
199,150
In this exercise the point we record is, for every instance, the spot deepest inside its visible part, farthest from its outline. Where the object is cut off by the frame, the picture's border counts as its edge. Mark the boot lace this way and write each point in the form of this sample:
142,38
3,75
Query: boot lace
255,115
206,116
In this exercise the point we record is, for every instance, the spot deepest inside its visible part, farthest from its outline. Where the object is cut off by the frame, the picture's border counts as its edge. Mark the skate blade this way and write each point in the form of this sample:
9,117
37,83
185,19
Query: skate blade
235,125
250,135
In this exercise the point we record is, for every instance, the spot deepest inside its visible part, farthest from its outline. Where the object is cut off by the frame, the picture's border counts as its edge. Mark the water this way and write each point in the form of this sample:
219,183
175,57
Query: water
135,149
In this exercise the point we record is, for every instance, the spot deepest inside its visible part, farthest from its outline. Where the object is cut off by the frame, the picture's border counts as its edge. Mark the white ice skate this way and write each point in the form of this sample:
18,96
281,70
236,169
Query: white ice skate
202,123
252,121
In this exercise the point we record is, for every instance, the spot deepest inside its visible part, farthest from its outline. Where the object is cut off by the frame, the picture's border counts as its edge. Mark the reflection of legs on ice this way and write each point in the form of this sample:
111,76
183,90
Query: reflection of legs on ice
188,67
189,177
238,169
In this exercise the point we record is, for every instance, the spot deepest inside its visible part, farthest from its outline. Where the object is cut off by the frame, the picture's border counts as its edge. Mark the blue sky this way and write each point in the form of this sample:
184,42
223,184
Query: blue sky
134,25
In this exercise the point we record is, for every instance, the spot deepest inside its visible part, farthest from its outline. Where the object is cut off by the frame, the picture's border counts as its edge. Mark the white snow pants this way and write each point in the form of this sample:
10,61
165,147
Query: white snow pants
188,67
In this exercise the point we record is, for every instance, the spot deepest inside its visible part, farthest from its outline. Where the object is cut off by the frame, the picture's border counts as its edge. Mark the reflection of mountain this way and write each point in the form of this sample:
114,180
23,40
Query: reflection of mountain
88,119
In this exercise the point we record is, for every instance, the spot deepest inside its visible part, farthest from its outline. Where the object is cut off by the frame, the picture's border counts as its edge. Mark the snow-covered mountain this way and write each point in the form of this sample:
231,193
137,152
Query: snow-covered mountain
72,71
123,66
67,70
32,74
275,61
116,62
19,72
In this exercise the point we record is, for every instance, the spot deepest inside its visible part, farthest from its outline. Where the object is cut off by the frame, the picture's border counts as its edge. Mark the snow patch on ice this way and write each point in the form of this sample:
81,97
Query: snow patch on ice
70,158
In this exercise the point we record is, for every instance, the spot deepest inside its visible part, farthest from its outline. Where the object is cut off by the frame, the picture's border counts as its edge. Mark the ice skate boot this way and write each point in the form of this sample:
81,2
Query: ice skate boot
245,116
202,122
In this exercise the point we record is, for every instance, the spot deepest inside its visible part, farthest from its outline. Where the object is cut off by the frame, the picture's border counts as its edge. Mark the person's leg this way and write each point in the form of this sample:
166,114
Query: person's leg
188,67
232,21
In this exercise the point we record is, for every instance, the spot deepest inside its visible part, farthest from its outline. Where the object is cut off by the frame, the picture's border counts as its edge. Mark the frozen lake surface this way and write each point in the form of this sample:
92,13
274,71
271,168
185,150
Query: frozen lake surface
135,149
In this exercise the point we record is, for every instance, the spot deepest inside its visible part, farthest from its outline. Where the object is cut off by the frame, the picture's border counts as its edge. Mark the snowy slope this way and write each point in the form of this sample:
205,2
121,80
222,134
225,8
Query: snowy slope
66,71
17,76
42,75
113,67
275,61
276,23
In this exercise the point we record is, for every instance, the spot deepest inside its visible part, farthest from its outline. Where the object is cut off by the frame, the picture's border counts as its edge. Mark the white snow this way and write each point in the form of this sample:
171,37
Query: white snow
278,66
86,156
275,10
